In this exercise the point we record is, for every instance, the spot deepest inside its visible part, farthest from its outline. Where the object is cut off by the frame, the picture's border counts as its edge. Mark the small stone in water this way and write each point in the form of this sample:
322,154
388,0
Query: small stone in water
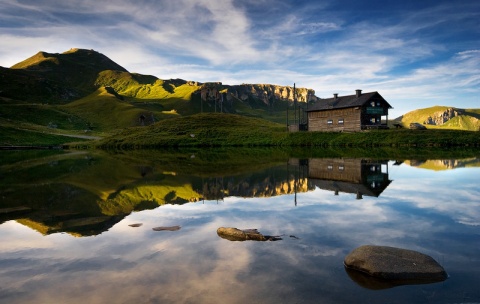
171,228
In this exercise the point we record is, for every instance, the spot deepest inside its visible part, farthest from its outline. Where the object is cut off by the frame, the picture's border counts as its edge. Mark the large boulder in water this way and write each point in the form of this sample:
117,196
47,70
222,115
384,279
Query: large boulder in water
399,266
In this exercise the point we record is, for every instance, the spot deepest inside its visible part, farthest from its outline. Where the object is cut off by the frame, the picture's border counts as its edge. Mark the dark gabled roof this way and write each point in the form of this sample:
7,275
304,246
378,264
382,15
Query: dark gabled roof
348,187
342,102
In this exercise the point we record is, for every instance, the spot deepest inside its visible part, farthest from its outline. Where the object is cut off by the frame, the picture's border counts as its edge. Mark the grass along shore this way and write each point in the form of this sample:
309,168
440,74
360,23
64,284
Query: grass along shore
219,129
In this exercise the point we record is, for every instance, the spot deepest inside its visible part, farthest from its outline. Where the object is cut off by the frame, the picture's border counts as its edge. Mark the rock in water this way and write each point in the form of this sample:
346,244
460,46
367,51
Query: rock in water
170,228
234,234
396,264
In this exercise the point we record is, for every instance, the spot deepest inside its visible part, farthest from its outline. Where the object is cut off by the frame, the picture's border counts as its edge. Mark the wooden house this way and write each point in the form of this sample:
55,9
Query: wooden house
349,113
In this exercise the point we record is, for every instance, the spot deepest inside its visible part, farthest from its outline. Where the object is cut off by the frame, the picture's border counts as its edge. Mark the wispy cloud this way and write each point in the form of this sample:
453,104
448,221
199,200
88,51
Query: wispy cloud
400,52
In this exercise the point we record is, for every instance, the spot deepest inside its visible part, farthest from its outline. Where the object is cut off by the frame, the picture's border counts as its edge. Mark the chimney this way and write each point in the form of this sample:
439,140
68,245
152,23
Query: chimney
335,96
358,92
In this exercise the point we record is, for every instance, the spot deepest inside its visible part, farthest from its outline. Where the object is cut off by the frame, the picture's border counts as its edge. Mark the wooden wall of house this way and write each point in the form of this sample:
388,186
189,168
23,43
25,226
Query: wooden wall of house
346,169
318,121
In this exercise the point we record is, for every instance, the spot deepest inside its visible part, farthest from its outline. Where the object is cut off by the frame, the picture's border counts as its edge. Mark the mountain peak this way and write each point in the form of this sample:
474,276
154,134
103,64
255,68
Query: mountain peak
74,58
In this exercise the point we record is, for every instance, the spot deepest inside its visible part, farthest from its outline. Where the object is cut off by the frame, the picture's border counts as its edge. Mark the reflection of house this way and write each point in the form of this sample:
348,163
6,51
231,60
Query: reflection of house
348,113
350,175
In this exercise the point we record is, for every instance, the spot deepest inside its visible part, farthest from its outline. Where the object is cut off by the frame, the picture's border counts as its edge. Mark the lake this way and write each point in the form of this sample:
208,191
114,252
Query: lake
141,226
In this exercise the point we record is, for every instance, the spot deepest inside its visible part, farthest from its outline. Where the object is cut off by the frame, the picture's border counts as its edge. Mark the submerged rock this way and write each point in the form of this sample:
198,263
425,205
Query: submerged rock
390,266
170,228
234,234
135,225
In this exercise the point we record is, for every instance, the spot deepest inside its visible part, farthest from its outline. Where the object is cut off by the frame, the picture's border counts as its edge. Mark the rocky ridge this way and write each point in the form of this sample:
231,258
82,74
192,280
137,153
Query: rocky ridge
440,118
266,93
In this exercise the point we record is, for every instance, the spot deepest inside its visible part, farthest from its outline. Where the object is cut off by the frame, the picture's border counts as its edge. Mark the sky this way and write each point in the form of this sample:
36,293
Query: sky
416,54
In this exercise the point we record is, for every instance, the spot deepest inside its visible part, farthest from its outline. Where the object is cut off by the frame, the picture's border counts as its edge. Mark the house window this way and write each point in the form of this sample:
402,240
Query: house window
329,122
329,167
341,168
373,120
340,121
373,103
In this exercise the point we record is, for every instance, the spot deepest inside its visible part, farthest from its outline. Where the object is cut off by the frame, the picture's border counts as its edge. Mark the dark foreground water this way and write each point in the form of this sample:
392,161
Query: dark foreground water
65,229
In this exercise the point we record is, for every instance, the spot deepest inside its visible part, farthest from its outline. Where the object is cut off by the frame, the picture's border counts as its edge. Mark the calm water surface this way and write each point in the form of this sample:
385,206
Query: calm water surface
66,235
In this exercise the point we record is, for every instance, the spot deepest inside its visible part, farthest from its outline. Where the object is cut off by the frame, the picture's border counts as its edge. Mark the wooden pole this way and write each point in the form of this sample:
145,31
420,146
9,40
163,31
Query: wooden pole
287,114
294,105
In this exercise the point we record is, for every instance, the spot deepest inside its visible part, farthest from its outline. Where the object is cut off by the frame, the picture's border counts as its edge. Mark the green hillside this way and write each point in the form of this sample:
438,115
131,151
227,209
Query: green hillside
105,112
221,129
152,93
468,119
209,129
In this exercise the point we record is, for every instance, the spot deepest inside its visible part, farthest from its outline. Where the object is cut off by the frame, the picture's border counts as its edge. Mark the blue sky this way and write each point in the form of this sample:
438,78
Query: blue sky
416,54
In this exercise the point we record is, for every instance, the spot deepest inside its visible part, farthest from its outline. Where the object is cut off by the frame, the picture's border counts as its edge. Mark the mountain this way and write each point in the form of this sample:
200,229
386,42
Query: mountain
60,78
83,91
443,117
55,78
78,60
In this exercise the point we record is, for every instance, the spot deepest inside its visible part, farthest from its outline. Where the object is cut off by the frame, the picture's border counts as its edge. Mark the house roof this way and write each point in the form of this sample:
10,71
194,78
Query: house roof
345,102
348,187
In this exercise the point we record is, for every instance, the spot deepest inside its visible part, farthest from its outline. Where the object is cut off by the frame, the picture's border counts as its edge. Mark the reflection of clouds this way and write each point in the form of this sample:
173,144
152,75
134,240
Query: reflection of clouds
21,238
457,199
193,264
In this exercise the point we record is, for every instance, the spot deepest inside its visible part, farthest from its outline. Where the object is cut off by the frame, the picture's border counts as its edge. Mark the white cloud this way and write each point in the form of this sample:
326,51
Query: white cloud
409,55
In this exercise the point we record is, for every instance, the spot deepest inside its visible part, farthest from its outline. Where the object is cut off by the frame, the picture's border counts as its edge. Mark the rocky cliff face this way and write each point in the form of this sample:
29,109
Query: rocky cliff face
267,93
442,117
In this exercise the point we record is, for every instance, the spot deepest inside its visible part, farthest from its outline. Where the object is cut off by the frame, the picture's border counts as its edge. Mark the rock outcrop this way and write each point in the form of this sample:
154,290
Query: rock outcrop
442,117
395,266
267,93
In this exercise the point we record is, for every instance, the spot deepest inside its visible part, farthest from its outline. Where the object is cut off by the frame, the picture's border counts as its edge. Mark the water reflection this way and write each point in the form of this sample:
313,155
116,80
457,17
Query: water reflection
444,164
86,194
435,213
349,175
374,283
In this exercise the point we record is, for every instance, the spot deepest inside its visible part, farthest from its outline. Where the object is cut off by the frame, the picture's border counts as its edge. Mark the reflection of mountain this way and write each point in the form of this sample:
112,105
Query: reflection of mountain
274,181
349,175
444,164
87,193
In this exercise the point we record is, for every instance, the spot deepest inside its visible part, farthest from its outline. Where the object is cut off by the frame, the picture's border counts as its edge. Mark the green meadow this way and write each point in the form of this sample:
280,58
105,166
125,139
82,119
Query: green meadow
219,129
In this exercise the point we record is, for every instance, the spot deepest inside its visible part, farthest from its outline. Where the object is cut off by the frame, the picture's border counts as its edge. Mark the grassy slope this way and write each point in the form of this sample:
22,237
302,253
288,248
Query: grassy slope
170,95
216,129
42,115
469,121
105,112
13,136
207,129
